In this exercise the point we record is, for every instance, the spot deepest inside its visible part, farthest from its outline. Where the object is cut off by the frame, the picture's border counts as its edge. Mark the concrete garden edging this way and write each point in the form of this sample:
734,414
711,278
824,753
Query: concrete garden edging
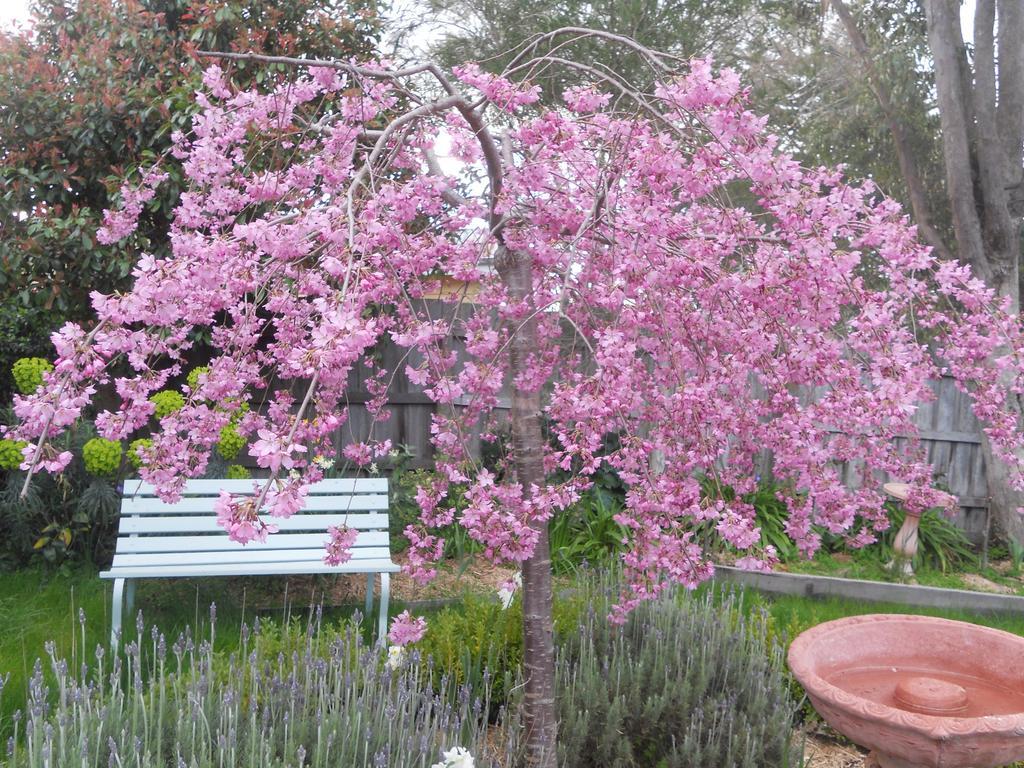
806,585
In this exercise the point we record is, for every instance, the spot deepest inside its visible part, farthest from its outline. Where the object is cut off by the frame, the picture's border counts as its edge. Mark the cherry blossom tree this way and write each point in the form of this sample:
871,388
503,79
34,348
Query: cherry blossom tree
649,265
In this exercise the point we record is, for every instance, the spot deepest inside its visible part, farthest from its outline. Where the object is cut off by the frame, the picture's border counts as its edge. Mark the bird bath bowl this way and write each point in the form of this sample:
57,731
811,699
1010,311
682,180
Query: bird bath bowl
919,692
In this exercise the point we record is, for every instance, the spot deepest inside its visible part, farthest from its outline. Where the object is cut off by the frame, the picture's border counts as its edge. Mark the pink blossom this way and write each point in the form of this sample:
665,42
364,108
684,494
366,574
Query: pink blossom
406,630
339,546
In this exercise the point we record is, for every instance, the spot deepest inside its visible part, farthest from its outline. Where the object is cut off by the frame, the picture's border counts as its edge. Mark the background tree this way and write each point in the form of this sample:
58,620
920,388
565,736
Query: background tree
91,93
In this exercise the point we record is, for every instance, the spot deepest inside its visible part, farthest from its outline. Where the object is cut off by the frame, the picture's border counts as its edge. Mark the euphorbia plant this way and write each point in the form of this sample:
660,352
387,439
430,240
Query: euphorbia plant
650,265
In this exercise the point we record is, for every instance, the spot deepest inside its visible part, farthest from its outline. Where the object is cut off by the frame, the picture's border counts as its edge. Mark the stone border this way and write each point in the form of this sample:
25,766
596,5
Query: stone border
806,585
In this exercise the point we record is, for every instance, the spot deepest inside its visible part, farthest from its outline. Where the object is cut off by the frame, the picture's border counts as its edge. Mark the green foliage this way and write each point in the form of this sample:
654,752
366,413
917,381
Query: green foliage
237,472
102,457
167,401
24,332
686,682
476,643
28,373
193,377
10,453
230,442
587,532
63,517
134,447
94,93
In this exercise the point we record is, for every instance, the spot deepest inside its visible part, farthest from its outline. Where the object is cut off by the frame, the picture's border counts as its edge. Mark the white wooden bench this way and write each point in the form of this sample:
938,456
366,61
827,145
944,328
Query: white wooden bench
158,540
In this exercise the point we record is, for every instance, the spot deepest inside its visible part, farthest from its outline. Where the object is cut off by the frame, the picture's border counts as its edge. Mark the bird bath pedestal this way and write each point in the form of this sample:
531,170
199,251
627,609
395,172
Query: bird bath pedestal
905,543
919,692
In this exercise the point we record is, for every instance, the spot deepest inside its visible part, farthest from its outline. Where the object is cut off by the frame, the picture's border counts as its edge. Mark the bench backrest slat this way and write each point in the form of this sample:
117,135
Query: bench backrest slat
209,543
335,486
208,523
191,505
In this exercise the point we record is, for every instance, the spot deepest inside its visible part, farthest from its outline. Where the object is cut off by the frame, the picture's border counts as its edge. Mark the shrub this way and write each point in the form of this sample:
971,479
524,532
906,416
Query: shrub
288,696
10,454
230,442
237,472
686,682
134,447
28,373
64,516
193,377
167,401
586,532
102,457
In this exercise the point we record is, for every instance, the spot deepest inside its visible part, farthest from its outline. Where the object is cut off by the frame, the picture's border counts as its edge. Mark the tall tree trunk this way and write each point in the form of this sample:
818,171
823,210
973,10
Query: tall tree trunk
987,233
904,153
540,723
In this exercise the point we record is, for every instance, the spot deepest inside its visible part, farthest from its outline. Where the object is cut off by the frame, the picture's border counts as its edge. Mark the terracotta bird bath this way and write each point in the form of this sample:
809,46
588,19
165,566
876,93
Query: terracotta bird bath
919,692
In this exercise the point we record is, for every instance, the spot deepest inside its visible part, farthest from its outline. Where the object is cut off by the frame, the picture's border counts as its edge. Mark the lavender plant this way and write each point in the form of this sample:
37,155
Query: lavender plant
686,682
289,696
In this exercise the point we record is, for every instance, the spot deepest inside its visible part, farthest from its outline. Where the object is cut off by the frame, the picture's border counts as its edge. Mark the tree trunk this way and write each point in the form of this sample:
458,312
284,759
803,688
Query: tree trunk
540,723
904,152
987,233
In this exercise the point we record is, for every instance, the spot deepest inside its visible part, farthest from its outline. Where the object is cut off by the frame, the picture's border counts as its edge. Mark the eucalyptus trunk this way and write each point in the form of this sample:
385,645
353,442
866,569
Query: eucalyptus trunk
539,718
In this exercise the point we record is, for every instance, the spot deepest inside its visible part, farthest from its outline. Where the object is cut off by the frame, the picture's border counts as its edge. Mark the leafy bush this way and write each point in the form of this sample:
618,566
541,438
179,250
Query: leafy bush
61,517
586,532
230,442
237,472
134,457
167,401
686,682
102,457
10,454
28,373
289,696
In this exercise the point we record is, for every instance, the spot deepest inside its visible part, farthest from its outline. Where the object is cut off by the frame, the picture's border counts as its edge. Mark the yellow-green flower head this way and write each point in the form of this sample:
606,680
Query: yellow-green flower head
102,457
133,451
230,442
10,453
193,377
237,472
167,401
28,373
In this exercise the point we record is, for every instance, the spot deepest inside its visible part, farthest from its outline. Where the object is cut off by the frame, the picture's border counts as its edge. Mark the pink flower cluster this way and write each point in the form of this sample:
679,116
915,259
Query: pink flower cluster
339,546
406,629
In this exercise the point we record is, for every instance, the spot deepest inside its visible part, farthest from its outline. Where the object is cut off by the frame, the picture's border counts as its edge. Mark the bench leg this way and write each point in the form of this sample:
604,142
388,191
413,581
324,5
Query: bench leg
385,595
115,613
369,595
129,597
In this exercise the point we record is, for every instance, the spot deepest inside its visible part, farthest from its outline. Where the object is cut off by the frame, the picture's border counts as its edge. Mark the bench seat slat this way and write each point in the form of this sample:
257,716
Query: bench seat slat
219,542
338,485
208,523
316,555
204,505
252,569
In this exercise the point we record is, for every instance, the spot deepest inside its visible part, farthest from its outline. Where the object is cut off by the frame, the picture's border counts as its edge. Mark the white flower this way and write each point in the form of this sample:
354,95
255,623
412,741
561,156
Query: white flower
374,469
396,657
456,757
505,595
509,589
324,462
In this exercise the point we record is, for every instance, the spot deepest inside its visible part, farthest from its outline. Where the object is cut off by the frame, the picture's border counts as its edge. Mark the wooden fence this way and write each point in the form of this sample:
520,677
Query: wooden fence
949,430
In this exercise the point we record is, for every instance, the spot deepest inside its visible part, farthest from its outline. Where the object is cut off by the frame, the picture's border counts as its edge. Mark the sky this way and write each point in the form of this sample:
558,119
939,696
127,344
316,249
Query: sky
12,11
